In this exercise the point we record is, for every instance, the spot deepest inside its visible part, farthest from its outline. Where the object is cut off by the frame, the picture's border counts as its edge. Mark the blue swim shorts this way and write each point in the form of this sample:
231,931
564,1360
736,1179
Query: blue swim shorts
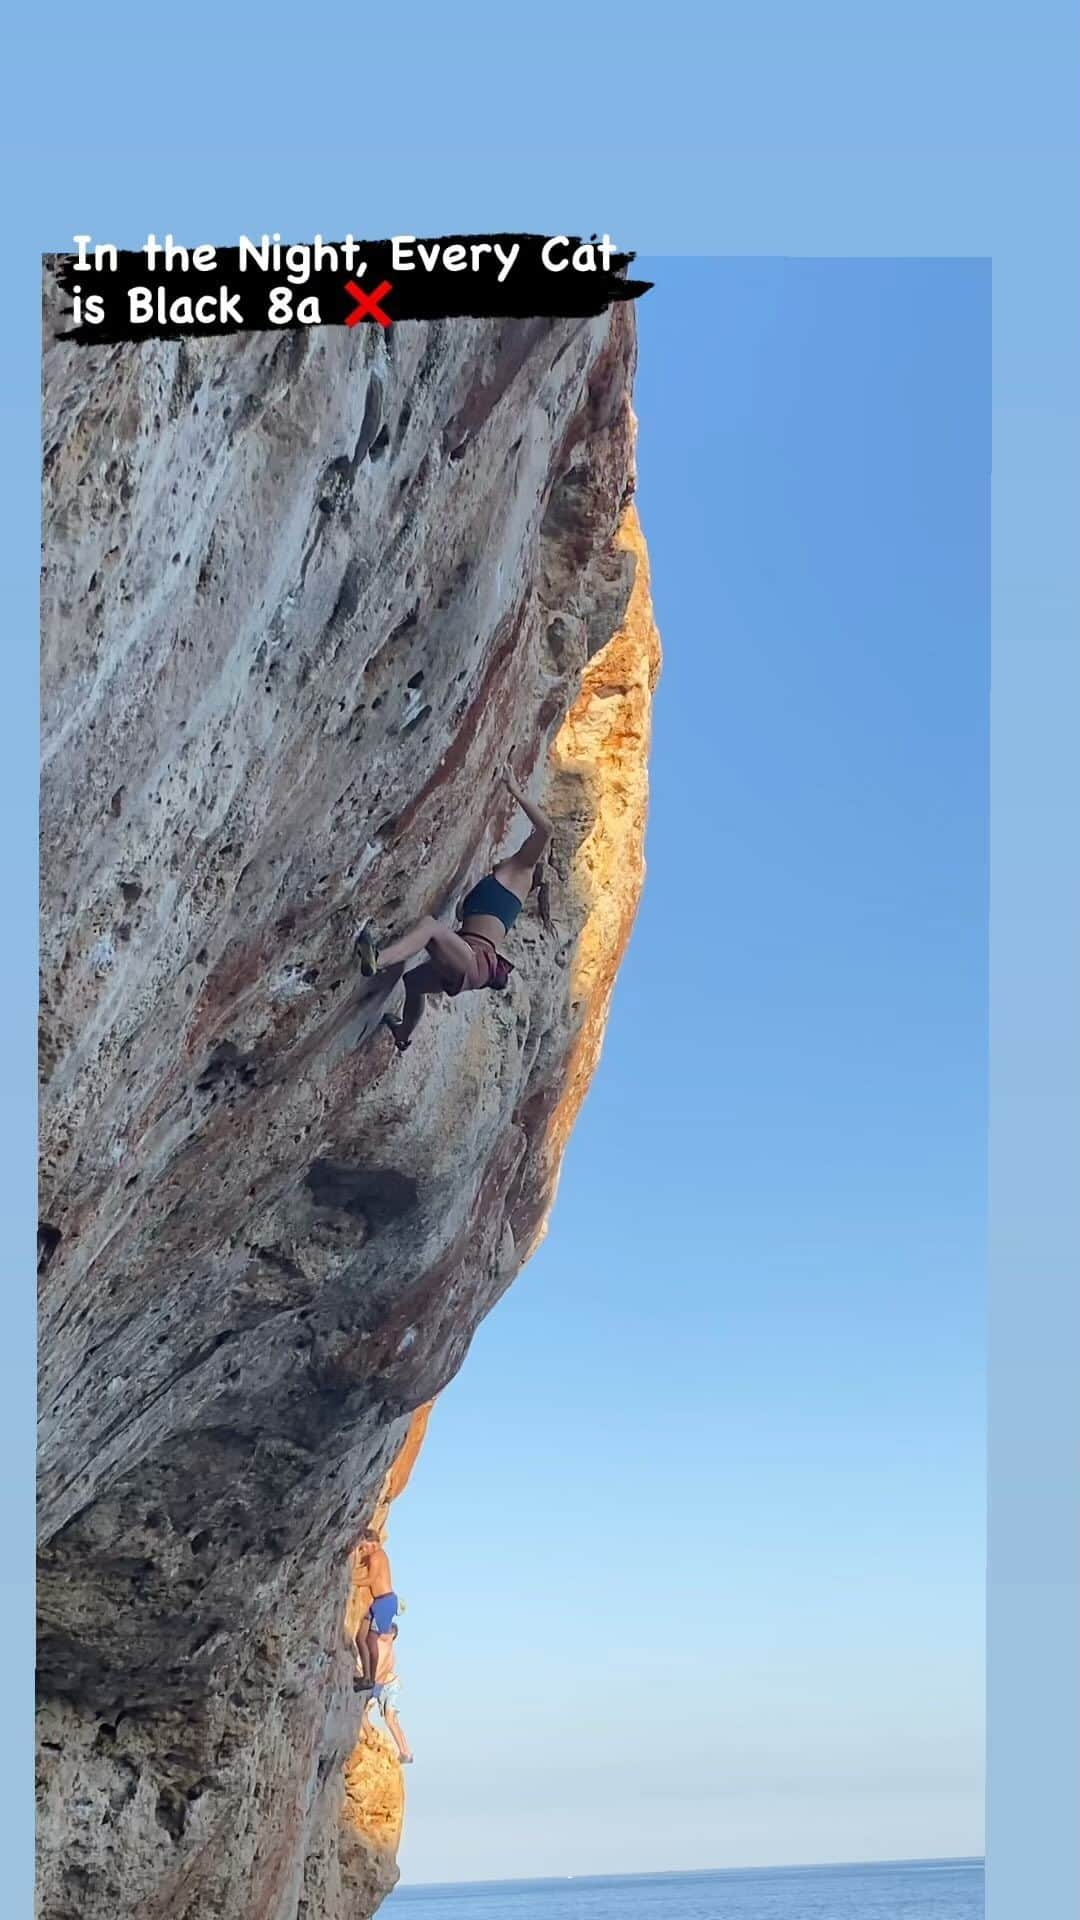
383,1612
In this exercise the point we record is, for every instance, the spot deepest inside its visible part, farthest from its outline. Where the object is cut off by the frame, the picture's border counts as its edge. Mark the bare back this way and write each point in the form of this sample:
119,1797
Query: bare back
518,873
361,1586
486,926
517,878
377,1568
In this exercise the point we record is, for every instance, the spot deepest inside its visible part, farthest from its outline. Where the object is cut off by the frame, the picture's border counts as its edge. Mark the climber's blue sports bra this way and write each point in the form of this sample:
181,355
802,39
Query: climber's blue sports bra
490,896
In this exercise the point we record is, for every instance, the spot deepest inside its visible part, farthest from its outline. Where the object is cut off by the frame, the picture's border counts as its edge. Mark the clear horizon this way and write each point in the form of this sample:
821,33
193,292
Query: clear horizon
974,1860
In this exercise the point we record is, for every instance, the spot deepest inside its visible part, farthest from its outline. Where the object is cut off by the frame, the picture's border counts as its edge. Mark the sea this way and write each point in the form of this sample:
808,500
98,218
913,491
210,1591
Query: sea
904,1890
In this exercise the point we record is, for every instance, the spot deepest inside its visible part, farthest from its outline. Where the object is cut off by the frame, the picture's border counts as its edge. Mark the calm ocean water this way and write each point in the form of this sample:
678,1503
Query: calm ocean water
910,1890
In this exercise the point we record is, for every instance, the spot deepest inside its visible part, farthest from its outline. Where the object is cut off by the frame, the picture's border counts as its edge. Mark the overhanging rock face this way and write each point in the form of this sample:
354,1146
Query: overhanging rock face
301,597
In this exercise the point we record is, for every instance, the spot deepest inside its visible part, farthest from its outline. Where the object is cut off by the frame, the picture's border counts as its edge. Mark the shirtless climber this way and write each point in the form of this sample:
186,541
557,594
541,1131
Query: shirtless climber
469,959
374,1569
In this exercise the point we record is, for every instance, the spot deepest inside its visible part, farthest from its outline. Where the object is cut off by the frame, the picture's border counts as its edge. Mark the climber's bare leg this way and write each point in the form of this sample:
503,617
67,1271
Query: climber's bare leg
397,1736
441,942
418,984
372,1645
363,1655
409,944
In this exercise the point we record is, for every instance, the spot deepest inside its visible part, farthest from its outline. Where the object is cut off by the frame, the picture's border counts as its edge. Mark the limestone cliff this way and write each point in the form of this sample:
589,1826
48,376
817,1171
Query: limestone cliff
301,595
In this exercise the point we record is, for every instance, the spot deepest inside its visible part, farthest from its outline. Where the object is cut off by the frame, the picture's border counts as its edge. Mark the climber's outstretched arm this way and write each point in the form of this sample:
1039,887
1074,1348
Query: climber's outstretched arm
533,848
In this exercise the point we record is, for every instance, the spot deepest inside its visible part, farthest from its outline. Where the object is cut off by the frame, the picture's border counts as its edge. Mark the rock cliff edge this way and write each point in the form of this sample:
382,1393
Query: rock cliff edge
302,595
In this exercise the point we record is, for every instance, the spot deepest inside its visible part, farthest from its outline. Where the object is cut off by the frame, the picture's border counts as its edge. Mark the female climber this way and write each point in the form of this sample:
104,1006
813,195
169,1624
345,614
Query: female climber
466,960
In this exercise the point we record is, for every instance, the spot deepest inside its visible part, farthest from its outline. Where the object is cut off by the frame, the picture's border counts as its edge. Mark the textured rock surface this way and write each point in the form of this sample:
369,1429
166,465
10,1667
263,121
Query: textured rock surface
301,595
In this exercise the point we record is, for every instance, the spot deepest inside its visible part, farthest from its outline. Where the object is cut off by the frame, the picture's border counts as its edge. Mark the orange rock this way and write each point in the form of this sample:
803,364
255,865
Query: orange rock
603,744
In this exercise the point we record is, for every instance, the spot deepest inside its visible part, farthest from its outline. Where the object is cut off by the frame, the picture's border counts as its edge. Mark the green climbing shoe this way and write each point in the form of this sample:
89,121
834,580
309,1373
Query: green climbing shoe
367,953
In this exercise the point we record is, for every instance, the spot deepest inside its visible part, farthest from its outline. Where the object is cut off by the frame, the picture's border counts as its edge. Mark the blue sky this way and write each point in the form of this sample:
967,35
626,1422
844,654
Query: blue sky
694,1555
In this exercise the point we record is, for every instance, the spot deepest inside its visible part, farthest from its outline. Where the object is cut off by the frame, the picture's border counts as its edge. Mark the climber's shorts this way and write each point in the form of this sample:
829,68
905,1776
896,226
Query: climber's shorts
488,968
383,1612
386,1695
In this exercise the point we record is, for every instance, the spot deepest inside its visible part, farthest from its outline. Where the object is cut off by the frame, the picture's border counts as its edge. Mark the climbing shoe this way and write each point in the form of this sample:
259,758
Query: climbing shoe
393,1027
367,953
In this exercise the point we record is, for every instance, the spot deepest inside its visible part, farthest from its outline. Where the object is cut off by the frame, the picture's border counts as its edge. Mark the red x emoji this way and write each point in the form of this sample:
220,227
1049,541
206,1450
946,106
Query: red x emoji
367,303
